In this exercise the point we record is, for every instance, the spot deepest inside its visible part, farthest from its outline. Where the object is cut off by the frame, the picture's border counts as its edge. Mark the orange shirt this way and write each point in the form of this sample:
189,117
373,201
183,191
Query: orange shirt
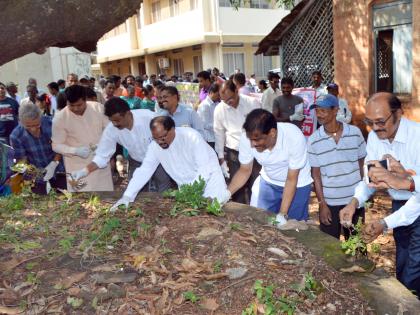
138,92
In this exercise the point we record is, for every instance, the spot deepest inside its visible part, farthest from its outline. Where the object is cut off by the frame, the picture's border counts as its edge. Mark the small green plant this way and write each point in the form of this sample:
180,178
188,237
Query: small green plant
272,221
217,267
272,305
355,246
308,287
66,244
235,227
375,248
190,296
164,248
26,245
31,277
189,200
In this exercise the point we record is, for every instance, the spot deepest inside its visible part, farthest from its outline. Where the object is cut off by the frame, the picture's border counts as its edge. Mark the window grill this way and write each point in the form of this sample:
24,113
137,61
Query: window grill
309,45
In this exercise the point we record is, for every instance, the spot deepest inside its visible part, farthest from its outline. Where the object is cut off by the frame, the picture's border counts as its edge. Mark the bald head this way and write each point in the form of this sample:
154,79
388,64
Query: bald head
382,98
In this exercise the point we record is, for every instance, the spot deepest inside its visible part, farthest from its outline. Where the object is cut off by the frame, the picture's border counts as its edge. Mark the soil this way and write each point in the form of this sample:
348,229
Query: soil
68,255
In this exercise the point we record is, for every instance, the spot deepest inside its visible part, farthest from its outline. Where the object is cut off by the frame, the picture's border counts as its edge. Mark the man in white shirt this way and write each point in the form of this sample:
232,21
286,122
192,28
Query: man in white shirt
317,84
229,117
131,130
344,112
53,89
284,184
399,137
272,92
184,155
32,92
206,112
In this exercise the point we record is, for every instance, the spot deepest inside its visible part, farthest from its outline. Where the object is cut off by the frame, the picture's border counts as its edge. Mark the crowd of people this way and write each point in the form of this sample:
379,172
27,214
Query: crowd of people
247,149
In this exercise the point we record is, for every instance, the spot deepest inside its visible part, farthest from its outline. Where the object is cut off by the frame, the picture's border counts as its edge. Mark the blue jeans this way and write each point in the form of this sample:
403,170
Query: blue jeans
268,196
407,243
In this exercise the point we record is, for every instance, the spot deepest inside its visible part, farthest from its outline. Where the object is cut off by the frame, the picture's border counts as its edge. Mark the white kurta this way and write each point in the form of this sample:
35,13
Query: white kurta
71,131
187,158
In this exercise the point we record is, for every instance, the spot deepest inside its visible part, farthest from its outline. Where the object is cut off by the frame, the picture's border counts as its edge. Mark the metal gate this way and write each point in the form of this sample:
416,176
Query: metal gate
309,45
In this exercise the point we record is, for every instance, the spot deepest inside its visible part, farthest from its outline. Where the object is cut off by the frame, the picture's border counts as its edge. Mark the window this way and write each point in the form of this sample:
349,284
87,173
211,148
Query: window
262,64
174,7
178,67
198,64
156,11
224,3
392,28
259,4
232,61
193,4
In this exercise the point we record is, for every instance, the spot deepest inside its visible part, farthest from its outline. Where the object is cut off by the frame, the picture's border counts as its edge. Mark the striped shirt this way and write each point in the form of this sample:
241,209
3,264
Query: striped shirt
338,162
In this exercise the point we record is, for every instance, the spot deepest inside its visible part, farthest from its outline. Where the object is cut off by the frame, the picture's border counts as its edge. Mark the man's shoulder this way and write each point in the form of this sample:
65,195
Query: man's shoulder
17,133
143,113
353,130
96,106
10,101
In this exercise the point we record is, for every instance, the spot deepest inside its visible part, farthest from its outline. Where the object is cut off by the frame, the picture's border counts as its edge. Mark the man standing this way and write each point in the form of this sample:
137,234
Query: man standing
76,131
288,107
31,140
240,81
272,92
184,155
229,117
109,89
53,89
32,92
12,91
206,112
8,115
131,130
317,84
284,184
397,136
72,79
344,112
183,116
204,82
336,154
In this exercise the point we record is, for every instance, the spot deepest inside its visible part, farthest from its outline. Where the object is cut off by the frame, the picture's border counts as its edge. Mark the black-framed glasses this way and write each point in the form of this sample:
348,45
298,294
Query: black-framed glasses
379,123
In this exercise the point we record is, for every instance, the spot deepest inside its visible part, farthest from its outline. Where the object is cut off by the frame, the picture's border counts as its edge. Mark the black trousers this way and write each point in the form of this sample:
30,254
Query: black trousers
58,181
243,195
159,182
335,228
407,243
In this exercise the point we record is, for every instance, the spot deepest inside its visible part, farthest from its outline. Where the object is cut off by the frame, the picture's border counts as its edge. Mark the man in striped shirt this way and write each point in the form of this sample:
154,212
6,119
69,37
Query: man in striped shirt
336,155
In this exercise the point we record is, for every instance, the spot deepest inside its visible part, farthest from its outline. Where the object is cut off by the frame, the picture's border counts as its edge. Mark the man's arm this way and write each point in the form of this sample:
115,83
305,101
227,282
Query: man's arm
289,190
197,123
220,135
241,177
324,210
280,117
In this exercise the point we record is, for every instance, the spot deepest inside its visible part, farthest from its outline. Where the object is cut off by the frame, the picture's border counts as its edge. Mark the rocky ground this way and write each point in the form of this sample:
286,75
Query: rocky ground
66,254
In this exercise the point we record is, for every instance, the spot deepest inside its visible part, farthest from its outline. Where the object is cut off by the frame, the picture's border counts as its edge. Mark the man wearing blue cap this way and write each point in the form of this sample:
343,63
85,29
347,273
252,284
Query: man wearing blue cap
336,155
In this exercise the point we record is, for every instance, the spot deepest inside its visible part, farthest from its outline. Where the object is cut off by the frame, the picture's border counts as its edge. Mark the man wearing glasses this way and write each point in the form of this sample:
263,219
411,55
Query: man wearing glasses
184,155
395,138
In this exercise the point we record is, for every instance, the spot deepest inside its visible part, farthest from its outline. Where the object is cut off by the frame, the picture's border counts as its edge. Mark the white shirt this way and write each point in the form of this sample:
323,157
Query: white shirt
186,159
206,112
25,101
135,140
344,112
289,152
228,122
53,99
268,97
406,215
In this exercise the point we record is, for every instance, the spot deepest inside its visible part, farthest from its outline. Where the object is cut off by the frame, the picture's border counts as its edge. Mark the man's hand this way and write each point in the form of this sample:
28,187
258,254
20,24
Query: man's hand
346,214
382,178
225,169
123,201
372,230
82,152
395,166
50,169
225,198
324,214
80,174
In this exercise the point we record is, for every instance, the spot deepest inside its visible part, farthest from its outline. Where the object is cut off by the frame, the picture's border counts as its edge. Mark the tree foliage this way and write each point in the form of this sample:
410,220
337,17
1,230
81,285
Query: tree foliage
288,4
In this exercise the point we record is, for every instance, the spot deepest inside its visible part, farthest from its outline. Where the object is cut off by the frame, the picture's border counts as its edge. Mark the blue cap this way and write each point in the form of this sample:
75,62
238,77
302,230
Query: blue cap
325,101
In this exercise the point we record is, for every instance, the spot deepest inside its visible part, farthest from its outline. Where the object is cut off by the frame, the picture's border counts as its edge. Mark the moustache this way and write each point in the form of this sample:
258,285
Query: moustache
380,130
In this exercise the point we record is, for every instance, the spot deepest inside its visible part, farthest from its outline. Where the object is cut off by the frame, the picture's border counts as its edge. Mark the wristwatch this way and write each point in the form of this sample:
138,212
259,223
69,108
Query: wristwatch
384,225
412,184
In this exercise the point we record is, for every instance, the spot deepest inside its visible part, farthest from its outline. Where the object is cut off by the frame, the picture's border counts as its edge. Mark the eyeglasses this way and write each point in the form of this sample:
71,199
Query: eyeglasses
379,123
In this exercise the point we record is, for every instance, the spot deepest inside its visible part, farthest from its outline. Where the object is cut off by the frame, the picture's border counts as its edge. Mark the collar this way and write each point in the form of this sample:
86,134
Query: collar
402,132
346,130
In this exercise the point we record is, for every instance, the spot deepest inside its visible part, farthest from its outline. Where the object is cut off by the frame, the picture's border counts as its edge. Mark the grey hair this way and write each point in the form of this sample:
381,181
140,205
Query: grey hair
29,111
131,88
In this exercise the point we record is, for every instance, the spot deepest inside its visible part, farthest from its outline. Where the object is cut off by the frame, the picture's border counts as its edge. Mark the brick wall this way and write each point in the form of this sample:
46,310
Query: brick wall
353,54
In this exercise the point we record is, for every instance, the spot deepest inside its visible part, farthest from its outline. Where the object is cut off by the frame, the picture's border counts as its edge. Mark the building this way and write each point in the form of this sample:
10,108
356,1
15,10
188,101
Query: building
54,64
365,46
178,36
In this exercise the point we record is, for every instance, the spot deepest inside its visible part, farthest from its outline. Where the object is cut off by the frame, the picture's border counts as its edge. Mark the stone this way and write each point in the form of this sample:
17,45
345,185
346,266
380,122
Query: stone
278,251
236,273
331,307
207,233
111,277
59,24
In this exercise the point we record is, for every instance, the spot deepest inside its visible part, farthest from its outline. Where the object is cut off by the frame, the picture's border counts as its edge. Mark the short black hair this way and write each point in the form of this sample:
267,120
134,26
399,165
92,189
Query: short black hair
109,81
287,80
61,100
272,75
61,81
260,119
75,93
240,78
317,72
116,105
32,86
90,92
228,84
2,84
139,79
42,98
263,83
214,88
130,76
394,103
171,90
53,86
204,74
167,122
148,90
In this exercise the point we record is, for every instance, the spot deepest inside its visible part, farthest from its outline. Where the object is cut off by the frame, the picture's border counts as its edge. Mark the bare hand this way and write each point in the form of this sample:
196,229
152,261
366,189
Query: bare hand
382,178
346,214
324,214
394,165
371,231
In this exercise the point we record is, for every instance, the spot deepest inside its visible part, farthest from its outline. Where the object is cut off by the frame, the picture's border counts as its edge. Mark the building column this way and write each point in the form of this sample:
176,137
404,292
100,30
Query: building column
134,65
212,55
150,62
